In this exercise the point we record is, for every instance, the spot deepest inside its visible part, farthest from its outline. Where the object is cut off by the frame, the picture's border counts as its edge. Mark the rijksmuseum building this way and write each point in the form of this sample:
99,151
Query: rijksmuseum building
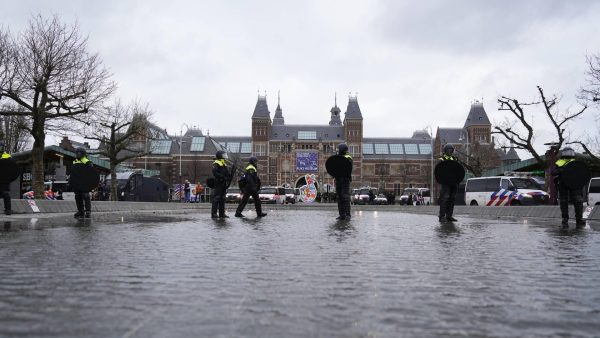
288,152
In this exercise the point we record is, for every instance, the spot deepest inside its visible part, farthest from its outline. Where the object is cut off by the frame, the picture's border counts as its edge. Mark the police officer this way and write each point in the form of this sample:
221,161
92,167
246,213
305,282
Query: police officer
448,191
250,187
342,186
5,188
567,155
82,197
222,177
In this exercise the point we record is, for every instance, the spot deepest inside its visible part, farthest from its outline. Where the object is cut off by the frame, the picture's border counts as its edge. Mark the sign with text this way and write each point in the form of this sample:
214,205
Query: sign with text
307,161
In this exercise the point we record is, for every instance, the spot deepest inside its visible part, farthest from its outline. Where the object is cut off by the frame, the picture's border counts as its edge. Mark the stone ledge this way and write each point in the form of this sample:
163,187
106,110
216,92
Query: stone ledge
47,206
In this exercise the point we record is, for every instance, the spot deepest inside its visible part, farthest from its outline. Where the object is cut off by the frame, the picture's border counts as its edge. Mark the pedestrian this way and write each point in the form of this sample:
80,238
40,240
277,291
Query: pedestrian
342,186
5,187
222,176
250,185
567,155
410,199
371,197
82,198
199,191
186,192
448,191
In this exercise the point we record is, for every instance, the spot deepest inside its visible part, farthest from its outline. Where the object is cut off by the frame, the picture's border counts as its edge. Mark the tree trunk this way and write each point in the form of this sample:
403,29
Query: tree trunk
37,158
113,182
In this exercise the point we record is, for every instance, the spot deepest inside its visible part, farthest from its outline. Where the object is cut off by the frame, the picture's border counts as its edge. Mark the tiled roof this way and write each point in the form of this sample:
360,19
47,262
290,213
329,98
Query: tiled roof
261,110
477,116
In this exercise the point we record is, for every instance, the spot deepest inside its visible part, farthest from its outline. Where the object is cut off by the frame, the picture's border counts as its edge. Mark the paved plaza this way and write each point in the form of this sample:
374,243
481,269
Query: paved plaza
297,273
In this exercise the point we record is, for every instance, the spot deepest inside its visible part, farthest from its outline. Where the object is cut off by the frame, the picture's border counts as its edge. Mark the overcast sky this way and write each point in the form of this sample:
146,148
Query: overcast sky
413,64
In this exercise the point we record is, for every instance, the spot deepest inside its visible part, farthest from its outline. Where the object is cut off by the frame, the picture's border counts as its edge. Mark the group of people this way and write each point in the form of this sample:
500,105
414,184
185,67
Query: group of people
565,193
250,184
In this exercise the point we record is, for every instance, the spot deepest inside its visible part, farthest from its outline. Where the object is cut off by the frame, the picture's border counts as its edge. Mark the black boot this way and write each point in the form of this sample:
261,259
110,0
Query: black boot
88,214
565,222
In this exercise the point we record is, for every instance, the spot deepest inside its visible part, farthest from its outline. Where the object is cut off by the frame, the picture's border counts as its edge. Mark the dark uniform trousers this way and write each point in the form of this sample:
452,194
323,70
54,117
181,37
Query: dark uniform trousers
576,196
446,200
244,201
218,198
81,198
4,190
342,189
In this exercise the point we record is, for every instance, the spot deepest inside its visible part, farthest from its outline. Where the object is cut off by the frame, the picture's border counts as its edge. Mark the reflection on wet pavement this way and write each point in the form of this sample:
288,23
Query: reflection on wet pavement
297,273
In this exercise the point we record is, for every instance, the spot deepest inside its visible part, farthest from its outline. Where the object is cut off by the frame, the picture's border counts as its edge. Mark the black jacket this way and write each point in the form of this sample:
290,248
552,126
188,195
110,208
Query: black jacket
251,181
221,173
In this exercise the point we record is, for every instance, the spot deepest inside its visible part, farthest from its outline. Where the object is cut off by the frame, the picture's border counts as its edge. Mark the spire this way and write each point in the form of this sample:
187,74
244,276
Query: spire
353,109
261,110
278,118
335,114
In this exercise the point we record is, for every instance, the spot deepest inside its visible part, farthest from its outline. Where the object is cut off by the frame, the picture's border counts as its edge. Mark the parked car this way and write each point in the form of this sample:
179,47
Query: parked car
380,200
290,196
503,191
272,195
421,196
593,196
363,195
233,195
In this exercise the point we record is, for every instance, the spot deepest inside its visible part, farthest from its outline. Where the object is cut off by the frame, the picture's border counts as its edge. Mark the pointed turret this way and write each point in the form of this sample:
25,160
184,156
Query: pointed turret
353,110
278,118
261,111
335,120
477,115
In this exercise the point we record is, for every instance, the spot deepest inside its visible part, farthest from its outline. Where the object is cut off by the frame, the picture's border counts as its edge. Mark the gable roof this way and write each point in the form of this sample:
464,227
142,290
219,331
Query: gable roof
449,135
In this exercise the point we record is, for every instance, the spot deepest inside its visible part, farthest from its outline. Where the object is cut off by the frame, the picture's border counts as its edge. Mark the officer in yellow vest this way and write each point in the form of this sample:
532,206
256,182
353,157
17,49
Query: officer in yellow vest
448,191
82,197
250,185
567,155
222,177
342,186
5,188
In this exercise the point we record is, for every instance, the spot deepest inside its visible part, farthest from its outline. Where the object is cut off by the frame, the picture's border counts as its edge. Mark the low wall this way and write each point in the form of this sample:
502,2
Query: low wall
47,206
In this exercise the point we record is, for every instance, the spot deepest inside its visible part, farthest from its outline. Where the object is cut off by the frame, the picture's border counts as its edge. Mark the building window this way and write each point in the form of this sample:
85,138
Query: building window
425,149
197,143
368,148
381,149
354,150
260,149
411,149
396,149
246,148
397,189
307,135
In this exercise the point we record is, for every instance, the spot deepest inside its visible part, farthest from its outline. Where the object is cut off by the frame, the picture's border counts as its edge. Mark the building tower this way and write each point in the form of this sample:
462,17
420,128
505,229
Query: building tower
477,125
335,119
261,133
278,118
353,133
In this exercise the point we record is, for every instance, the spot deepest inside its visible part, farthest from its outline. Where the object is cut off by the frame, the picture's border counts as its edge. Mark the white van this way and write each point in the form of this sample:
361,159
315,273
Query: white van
593,197
504,191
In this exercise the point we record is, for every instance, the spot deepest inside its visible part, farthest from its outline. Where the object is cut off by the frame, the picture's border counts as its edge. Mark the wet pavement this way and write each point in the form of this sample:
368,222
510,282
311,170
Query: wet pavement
297,273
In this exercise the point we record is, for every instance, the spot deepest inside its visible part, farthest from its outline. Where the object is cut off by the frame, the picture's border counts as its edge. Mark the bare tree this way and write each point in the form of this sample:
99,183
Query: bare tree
119,128
520,132
481,157
591,92
14,134
48,73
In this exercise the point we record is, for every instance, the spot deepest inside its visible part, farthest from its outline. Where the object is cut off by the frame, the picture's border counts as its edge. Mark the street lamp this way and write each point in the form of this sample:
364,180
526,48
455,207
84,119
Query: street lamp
431,143
461,139
181,146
